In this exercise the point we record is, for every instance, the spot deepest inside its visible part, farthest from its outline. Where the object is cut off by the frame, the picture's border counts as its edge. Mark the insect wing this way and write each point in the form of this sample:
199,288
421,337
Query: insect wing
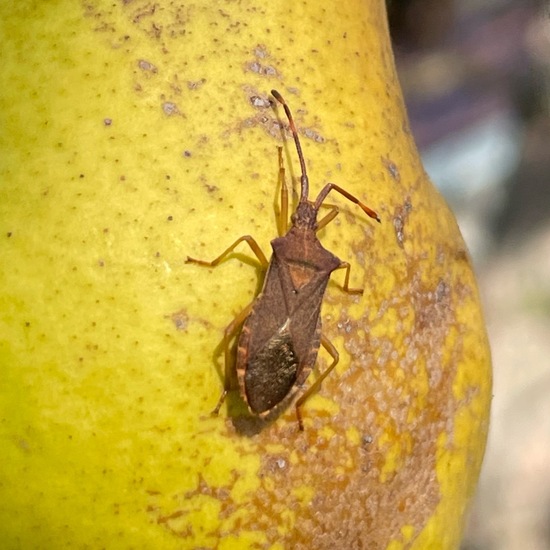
271,375
267,362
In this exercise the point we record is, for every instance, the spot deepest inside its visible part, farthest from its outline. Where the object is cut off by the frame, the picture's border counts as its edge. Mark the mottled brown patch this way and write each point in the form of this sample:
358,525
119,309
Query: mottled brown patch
170,108
392,169
400,216
180,319
350,494
147,66
196,84
259,68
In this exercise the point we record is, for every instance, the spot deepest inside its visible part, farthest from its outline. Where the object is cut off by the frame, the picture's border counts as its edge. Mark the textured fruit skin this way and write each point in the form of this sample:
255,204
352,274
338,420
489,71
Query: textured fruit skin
136,133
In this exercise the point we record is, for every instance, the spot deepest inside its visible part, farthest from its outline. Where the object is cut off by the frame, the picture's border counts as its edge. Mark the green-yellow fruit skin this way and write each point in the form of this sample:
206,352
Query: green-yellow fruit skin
134,134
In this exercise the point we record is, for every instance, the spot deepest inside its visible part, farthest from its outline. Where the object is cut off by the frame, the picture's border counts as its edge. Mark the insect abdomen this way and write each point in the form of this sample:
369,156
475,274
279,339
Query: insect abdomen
271,374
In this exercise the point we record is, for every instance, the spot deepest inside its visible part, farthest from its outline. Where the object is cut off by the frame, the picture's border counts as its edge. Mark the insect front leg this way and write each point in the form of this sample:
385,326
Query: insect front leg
251,242
334,210
283,213
333,352
229,365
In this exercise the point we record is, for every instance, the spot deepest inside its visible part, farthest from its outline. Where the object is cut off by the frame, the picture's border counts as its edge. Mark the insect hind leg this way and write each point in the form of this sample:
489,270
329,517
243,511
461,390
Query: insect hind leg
333,352
228,335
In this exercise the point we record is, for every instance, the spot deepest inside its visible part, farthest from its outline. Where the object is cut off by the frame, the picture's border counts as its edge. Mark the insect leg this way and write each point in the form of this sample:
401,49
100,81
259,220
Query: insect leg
345,286
283,213
228,335
330,186
333,352
329,217
251,242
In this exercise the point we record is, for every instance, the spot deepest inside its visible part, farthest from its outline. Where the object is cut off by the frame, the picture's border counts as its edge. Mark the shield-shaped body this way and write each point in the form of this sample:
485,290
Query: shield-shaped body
280,338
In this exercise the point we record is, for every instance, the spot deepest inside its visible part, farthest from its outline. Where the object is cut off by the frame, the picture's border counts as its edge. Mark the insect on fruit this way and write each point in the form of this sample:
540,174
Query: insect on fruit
281,329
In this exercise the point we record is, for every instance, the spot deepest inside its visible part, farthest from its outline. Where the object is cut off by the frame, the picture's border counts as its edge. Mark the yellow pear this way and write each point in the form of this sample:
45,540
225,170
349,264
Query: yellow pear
137,133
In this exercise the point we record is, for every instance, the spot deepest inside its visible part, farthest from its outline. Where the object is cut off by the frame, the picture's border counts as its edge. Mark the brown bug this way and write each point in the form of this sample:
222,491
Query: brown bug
281,328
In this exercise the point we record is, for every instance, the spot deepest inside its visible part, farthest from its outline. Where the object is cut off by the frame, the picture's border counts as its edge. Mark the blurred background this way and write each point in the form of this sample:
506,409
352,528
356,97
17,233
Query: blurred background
476,79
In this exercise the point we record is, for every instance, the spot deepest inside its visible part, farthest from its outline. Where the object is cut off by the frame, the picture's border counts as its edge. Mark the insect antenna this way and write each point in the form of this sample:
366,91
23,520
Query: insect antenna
303,179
